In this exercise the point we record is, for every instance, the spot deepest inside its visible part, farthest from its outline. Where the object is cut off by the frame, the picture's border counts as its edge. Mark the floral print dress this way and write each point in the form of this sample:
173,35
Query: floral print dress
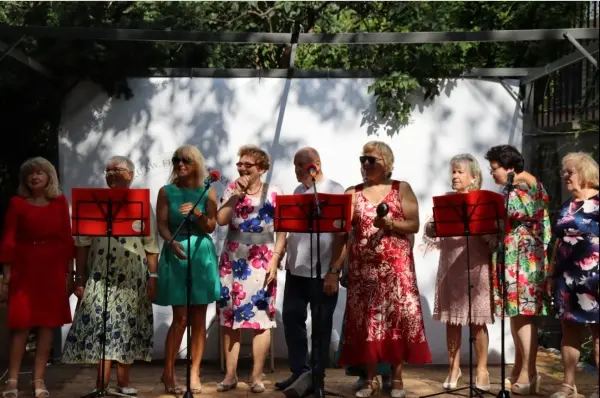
577,271
246,301
525,250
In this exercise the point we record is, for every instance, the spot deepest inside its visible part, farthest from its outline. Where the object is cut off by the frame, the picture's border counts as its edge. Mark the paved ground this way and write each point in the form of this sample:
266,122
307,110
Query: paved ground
65,381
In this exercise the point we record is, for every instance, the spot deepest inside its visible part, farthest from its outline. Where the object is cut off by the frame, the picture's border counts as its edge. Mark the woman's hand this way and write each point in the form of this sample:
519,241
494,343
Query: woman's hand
430,230
241,185
151,288
177,248
272,269
78,290
383,222
186,207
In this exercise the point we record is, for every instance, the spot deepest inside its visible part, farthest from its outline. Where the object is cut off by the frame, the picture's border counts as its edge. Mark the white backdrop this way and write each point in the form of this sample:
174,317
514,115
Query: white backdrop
335,116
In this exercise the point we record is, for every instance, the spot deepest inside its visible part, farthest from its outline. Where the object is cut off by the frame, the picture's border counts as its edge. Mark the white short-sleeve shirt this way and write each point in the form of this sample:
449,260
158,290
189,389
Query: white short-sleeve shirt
298,244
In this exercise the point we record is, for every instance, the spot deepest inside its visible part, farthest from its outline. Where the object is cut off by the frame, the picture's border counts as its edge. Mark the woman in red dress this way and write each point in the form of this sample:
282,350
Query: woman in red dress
36,251
383,320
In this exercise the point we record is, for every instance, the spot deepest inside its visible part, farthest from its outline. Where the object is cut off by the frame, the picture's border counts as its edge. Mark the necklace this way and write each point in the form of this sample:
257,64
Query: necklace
257,191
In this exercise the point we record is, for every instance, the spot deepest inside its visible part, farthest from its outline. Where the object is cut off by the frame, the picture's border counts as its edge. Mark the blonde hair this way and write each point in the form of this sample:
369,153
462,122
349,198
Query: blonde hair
473,165
385,151
261,157
52,189
585,166
196,156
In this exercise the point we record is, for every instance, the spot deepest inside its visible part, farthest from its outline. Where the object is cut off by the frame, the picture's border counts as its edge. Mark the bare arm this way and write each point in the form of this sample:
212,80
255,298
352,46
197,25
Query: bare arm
208,221
410,208
225,212
162,215
81,257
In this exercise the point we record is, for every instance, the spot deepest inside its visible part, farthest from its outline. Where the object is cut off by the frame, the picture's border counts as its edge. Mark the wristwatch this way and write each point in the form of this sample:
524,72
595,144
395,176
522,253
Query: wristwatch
334,271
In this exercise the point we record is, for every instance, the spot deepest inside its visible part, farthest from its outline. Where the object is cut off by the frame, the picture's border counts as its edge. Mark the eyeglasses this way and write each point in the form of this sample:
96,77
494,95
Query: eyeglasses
115,170
176,160
370,159
245,165
567,172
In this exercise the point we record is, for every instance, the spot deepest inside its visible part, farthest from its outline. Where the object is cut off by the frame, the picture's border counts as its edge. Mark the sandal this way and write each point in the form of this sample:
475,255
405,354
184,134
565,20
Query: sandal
222,387
562,394
13,392
177,390
41,392
258,388
371,389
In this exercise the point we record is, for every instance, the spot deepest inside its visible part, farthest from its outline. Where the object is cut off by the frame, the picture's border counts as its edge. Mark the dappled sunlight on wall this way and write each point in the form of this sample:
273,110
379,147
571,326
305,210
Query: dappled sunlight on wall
335,116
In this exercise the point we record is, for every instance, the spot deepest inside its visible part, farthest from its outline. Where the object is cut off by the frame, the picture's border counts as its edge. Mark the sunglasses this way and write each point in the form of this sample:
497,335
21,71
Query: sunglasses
176,160
370,159
245,165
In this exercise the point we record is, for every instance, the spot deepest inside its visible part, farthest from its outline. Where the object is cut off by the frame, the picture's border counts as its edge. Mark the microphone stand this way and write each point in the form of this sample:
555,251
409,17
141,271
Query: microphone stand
500,268
187,221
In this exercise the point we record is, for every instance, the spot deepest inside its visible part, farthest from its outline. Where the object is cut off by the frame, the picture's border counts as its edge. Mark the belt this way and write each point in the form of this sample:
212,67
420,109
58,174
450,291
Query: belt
251,238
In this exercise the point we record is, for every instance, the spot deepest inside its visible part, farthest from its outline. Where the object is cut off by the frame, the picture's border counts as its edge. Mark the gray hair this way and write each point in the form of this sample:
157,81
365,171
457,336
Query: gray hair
122,159
473,165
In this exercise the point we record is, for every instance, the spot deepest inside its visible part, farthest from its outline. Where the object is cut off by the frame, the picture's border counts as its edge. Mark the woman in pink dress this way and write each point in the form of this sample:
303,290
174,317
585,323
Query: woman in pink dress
385,323
451,290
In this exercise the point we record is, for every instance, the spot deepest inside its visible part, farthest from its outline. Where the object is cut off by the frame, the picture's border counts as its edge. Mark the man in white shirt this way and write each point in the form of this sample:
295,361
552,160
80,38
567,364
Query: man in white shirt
301,284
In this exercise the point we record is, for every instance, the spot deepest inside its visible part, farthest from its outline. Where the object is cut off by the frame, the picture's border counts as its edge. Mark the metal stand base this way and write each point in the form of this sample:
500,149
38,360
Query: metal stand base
105,393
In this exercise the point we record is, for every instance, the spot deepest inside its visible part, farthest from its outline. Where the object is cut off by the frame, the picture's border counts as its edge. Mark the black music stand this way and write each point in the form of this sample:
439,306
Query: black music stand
466,215
308,213
109,213
187,221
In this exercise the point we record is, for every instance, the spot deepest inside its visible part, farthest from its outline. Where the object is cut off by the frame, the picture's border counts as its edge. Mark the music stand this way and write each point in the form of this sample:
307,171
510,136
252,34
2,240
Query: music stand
108,213
471,214
318,213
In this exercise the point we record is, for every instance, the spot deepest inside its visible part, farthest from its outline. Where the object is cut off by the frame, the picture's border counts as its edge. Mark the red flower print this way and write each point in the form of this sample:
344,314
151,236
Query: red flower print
225,265
243,208
250,325
232,246
237,293
228,318
273,198
259,256
590,262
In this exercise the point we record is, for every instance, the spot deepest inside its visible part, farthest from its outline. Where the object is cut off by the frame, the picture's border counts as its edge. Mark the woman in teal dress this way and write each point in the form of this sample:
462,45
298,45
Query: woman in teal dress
174,202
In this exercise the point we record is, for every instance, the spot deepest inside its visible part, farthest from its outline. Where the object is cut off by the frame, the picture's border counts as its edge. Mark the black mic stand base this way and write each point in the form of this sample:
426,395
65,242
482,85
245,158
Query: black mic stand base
188,394
105,393
304,387
503,394
473,392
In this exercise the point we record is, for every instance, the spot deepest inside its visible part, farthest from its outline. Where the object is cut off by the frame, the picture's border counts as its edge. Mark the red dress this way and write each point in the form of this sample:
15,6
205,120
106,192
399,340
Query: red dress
383,320
38,245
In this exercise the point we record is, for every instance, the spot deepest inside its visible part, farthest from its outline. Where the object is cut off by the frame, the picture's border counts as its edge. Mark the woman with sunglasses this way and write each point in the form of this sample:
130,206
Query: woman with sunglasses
248,265
383,321
174,203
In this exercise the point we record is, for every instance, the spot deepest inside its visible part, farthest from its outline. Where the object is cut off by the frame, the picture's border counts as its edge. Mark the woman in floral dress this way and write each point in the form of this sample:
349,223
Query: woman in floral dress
248,265
525,260
383,322
132,284
576,272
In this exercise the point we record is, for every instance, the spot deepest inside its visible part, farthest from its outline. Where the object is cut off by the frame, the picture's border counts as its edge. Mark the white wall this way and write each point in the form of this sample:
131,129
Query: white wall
335,116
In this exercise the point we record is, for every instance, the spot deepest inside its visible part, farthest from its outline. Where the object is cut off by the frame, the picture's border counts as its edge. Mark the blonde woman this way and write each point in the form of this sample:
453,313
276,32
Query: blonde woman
131,286
174,202
451,291
36,250
576,273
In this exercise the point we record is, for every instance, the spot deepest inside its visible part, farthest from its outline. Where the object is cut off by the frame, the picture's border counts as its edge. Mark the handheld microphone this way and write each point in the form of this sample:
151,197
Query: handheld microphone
382,210
311,169
511,178
213,176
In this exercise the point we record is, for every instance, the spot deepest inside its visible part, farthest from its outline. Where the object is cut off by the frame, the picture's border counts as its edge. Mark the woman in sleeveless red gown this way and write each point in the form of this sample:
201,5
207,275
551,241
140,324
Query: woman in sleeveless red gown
383,319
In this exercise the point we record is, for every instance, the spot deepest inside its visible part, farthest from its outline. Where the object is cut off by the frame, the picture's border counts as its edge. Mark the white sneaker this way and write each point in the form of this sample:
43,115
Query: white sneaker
127,390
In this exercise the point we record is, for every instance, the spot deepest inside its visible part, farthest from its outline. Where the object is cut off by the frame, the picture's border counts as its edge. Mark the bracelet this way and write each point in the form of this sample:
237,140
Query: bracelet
278,255
153,275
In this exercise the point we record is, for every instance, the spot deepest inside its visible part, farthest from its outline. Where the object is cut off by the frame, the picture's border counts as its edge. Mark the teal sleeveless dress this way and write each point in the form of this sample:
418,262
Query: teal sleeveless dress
172,271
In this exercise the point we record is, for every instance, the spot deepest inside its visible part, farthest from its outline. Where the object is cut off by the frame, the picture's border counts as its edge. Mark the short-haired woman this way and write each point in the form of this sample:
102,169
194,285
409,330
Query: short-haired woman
37,250
175,201
576,272
451,291
248,264
525,262
131,286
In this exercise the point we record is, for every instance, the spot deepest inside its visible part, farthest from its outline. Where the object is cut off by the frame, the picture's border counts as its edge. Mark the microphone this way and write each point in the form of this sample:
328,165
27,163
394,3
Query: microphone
382,210
511,178
213,176
311,169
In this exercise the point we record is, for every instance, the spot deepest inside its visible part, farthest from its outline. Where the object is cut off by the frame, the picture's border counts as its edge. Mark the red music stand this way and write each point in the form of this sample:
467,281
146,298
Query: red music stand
474,213
109,213
314,213
295,213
